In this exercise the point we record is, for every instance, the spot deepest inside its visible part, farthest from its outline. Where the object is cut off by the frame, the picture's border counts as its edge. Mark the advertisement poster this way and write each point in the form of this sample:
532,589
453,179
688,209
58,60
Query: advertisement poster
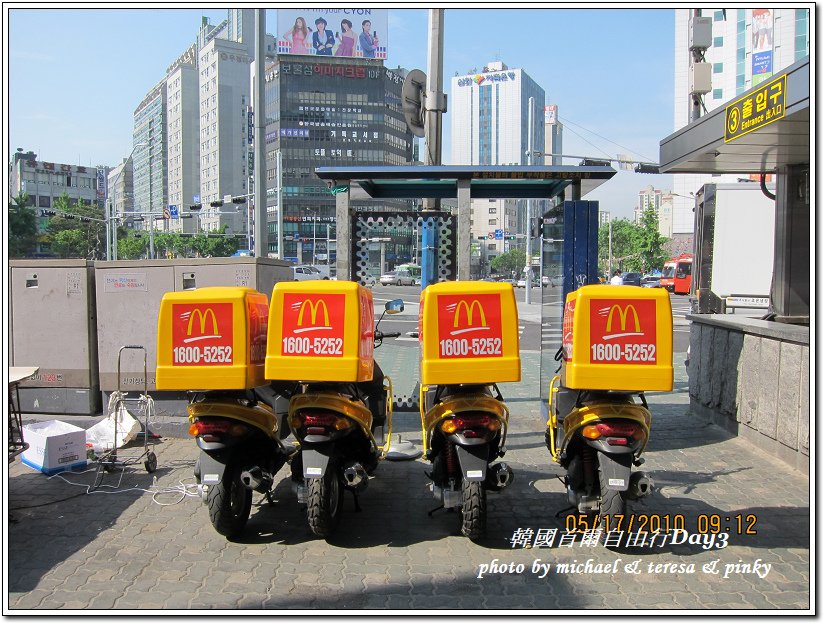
360,33
762,45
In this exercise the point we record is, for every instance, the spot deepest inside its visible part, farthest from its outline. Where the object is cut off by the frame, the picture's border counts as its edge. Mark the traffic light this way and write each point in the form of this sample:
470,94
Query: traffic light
510,237
238,200
591,162
646,168
538,227
216,204
195,207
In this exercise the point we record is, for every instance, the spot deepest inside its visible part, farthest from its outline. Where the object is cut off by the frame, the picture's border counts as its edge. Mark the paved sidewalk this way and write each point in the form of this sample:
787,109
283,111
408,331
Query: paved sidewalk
134,545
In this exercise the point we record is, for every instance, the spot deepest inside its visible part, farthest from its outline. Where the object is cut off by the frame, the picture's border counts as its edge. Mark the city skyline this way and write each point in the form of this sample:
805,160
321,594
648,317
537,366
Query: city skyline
599,119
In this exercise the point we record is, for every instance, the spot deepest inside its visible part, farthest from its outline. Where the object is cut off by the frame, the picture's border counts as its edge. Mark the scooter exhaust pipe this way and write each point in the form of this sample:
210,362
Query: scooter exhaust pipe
498,477
256,479
355,477
640,485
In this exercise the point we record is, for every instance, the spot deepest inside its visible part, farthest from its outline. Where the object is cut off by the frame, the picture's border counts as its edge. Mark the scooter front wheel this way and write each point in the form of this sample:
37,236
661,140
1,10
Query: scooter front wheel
473,509
324,500
230,503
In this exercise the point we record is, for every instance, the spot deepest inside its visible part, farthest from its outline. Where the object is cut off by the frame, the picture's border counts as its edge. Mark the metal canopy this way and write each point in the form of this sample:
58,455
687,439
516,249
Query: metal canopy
700,147
485,182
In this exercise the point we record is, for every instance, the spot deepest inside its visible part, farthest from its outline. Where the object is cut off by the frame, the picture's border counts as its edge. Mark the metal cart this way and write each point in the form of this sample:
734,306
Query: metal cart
143,406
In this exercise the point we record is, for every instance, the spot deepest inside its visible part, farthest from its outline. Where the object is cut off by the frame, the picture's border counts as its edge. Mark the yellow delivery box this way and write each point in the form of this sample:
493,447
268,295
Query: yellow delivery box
320,330
617,338
211,339
469,333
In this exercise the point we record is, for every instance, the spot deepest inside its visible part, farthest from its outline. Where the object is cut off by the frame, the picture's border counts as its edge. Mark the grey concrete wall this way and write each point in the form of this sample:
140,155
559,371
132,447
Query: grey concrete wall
756,386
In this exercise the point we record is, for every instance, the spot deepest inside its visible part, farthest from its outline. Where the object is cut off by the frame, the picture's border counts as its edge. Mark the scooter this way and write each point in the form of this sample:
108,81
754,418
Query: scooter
335,424
597,437
617,344
464,432
241,450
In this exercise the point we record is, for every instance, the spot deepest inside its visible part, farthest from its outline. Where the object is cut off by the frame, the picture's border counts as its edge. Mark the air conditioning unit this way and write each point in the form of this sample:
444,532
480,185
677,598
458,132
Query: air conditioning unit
700,37
701,78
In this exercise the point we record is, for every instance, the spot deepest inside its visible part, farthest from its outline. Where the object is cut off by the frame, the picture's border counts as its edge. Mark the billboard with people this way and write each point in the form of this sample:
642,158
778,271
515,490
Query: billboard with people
361,33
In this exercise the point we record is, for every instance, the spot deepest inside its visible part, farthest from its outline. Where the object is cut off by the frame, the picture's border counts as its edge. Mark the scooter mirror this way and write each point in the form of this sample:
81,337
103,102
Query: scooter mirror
394,307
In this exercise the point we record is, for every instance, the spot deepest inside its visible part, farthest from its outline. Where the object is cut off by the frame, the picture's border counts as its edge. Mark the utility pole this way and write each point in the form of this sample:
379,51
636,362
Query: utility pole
529,147
261,213
434,106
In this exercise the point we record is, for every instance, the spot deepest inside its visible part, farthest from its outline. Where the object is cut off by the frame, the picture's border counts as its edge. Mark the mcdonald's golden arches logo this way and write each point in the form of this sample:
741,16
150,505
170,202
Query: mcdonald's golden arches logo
623,319
313,307
203,317
469,309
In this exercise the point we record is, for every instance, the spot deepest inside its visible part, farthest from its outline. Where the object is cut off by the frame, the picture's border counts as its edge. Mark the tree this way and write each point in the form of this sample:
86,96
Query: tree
132,246
87,227
650,242
22,227
512,260
624,245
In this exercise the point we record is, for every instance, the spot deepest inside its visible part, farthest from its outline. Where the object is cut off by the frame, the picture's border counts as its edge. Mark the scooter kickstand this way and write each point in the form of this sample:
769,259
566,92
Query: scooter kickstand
434,510
357,504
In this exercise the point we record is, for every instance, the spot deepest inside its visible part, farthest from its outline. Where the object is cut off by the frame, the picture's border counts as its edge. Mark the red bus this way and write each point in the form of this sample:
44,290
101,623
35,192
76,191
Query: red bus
682,282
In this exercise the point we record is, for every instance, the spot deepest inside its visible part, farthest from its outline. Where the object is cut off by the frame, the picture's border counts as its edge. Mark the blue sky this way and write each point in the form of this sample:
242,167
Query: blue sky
75,76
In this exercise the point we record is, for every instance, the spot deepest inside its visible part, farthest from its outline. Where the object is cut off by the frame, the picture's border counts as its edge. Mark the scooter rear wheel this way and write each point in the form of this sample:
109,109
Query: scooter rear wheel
324,500
612,503
473,509
230,503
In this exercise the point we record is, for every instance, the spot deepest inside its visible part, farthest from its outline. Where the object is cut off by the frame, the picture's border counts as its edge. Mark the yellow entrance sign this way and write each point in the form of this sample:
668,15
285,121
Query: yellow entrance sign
756,110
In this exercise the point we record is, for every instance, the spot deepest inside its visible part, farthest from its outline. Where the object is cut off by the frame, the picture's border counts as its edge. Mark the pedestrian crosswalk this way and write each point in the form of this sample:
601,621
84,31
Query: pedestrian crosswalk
551,334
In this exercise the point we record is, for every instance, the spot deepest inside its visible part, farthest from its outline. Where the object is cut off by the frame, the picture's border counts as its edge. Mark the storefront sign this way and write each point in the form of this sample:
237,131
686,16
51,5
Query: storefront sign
756,110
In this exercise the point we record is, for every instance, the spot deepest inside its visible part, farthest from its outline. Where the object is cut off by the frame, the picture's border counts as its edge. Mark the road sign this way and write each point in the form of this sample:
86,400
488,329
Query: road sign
756,110
413,96
173,211
499,234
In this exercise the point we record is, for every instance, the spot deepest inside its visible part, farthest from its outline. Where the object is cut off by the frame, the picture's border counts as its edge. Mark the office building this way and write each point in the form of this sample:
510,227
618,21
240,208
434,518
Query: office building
183,130
150,154
490,115
554,136
120,185
748,46
337,111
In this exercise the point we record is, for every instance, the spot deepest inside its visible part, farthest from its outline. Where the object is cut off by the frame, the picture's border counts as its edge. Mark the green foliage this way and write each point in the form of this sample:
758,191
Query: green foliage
77,230
135,245
650,243
22,227
634,247
512,260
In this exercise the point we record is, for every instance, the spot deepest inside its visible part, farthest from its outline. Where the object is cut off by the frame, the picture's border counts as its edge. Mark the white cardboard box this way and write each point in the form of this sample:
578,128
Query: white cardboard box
54,446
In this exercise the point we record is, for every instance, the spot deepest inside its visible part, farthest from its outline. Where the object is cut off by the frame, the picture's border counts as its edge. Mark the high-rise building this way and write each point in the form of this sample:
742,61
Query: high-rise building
120,187
149,160
183,130
490,122
225,97
337,111
554,133
748,46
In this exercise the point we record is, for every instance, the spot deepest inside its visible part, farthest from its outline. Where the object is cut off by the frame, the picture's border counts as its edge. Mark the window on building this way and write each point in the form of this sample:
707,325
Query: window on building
718,94
492,246
493,211
802,43
718,42
44,201
718,16
493,222
718,68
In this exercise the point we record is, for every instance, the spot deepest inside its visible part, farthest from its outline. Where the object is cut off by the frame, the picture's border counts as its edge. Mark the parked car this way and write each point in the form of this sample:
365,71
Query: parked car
631,279
303,272
651,281
400,277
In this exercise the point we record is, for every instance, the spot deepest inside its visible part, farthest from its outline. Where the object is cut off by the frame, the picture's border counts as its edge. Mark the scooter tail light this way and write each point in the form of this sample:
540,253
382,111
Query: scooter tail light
213,428
470,423
316,423
617,429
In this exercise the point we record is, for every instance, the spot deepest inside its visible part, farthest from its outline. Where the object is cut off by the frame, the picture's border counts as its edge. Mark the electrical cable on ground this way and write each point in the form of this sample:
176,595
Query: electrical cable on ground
182,490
